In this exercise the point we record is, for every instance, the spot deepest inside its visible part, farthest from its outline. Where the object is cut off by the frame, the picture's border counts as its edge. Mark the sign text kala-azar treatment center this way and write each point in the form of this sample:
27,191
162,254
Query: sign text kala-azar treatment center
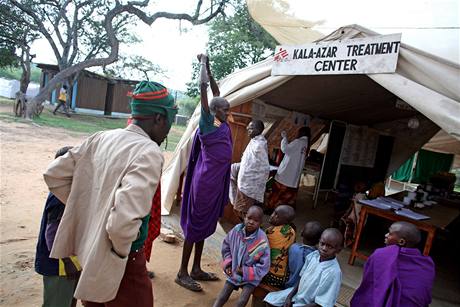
377,54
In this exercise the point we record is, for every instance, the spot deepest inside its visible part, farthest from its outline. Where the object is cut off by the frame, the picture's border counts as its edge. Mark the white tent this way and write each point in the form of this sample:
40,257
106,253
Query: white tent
430,85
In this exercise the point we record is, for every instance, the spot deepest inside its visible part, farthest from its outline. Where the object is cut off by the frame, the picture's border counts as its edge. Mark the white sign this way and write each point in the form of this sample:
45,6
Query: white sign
370,55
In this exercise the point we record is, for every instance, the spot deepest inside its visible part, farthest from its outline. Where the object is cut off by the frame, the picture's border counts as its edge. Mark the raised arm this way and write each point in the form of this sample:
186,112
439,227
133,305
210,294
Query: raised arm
214,88
204,61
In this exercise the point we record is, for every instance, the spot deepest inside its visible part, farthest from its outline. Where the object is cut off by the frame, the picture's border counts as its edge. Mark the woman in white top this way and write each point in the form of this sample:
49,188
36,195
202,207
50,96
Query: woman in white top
288,175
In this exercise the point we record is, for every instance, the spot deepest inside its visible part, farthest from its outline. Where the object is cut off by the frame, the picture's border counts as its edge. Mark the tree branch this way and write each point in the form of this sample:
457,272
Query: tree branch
132,8
41,27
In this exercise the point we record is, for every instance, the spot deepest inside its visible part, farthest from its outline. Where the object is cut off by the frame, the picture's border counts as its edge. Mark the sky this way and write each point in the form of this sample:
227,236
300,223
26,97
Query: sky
430,25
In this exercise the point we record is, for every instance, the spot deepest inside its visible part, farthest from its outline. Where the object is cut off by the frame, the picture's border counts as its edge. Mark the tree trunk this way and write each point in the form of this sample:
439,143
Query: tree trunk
26,59
25,78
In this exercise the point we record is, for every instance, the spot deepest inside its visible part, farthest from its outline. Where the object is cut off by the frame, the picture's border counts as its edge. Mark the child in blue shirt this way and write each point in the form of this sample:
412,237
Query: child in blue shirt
60,276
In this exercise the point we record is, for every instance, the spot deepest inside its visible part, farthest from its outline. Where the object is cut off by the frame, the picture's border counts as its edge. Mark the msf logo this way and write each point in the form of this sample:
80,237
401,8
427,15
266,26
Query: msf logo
281,55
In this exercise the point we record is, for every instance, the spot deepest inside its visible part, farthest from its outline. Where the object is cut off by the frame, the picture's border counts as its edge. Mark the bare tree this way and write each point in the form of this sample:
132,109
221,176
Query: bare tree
66,28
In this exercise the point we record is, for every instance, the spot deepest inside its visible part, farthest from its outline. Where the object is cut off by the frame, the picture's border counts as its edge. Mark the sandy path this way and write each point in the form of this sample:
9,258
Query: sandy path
25,152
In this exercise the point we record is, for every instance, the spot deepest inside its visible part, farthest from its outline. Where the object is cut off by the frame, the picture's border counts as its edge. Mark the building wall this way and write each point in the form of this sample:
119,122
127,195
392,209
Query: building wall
120,103
91,93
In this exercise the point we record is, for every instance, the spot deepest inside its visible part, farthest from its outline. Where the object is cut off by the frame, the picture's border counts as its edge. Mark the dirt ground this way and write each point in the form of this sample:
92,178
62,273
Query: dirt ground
26,149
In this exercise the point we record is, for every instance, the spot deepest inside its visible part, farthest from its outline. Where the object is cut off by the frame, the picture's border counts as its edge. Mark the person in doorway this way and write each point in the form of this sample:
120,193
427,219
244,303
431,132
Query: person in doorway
397,275
253,171
288,175
281,235
207,182
62,101
298,252
320,277
107,184
246,258
60,276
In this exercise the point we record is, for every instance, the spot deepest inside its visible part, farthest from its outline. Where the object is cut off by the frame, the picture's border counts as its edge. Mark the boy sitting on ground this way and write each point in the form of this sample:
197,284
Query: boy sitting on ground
398,274
311,233
246,258
60,276
320,277
281,235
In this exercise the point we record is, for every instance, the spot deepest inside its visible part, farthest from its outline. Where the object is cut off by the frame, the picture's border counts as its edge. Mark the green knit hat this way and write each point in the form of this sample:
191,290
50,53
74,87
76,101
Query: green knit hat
149,98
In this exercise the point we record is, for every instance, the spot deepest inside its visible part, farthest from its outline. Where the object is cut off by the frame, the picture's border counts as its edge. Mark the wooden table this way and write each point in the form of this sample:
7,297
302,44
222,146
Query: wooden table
440,217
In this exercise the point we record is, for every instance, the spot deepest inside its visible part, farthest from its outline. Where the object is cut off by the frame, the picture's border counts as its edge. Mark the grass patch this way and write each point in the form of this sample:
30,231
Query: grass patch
80,123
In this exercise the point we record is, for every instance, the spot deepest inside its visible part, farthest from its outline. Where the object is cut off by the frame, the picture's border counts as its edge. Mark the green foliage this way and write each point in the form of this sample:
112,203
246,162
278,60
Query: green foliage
15,73
234,42
187,105
134,67
16,35
7,42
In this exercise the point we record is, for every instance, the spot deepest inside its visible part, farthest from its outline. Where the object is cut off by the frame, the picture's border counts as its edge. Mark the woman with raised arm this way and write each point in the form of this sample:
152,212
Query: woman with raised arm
207,181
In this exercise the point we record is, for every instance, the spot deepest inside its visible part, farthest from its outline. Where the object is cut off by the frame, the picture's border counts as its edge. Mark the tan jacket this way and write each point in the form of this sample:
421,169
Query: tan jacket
107,184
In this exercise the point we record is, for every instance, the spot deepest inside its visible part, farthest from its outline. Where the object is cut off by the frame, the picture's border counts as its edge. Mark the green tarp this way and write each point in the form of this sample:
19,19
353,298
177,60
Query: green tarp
428,163
404,172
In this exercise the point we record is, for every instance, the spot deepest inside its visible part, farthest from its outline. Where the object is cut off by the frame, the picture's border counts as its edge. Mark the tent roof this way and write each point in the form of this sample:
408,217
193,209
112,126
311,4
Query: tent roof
425,82
337,92
442,142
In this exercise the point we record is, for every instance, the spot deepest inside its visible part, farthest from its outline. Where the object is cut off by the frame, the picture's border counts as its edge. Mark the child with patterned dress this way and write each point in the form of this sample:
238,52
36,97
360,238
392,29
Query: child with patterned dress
246,258
281,235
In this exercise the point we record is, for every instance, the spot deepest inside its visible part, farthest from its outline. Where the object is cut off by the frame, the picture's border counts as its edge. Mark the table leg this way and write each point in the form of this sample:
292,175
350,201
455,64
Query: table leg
429,241
362,219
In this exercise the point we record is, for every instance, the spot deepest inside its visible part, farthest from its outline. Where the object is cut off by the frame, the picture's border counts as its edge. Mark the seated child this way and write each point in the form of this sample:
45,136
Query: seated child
246,257
280,236
398,274
320,277
60,276
299,251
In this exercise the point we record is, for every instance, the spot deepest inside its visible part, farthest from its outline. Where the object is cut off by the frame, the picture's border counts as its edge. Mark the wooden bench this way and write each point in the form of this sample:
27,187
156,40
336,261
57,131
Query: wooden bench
259,294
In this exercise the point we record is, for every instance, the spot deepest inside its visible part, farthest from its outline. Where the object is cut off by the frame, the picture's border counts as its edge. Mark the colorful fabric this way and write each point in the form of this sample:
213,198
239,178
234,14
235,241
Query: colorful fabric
69,267
254,169
62,95
282,195
207,183
396,277
154,223
250,253
297,254
319,283
280,238
151,97
58,291
142,234
135,287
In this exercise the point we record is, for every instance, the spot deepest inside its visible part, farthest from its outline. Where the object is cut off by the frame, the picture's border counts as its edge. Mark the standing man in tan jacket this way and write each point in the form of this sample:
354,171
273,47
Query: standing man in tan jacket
107,184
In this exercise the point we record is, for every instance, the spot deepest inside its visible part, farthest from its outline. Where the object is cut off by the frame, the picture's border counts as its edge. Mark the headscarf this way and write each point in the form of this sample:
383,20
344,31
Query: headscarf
149,98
